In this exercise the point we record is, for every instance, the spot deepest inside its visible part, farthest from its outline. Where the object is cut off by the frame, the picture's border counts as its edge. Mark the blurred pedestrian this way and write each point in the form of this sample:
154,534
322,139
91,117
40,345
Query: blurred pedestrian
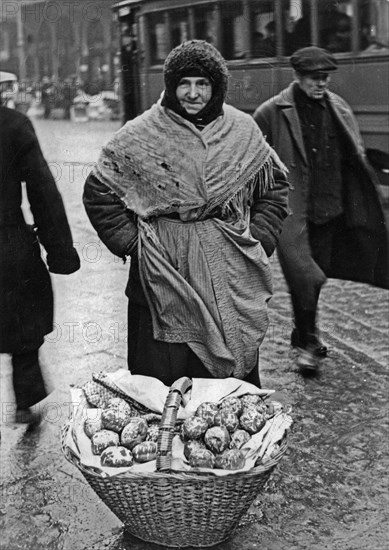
68,94
193,193
26,298
47,96
336,226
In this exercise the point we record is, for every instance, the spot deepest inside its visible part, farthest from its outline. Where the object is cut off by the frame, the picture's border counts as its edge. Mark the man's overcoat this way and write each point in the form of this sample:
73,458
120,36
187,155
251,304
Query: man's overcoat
26,299
362,247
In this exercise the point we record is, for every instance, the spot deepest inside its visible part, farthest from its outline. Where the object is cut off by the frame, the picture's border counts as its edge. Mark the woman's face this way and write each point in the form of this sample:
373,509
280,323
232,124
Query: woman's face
193,93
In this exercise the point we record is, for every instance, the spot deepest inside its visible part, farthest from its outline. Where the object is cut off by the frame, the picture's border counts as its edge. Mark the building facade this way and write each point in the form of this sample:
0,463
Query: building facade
60,40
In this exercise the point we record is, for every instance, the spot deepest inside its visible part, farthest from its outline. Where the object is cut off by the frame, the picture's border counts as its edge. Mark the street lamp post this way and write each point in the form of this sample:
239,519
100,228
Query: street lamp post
20,44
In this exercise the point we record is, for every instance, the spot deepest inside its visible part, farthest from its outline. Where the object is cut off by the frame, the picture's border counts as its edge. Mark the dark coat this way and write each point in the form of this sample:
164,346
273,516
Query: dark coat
362,247
26,299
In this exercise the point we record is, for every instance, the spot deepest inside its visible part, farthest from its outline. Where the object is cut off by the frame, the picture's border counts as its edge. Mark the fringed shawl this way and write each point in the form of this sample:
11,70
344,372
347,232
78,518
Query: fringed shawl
206,282
160,163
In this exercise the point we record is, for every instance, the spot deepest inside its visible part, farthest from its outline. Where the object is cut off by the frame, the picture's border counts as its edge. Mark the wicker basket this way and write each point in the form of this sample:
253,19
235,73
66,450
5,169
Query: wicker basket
177,509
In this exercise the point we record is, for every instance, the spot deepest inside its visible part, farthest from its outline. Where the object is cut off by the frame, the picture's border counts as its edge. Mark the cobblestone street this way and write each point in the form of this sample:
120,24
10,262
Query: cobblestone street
330,492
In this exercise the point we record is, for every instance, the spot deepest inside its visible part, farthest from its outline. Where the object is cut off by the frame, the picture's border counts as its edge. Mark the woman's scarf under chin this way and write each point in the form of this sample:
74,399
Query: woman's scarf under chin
160,163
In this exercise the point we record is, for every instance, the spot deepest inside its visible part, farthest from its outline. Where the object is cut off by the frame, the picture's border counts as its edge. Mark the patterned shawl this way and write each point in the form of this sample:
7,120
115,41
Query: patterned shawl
160,163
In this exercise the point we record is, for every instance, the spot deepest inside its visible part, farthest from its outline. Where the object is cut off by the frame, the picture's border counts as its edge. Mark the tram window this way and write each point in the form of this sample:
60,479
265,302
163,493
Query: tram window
205,21
263,30
159,37
335,21
233,25
374,29
179,27
335,18
297,22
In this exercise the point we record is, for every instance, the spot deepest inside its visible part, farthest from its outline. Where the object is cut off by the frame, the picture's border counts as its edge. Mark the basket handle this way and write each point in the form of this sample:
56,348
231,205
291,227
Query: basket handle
168,422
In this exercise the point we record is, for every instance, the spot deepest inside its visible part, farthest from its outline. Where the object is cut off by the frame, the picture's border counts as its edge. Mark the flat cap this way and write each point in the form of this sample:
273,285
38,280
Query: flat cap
313,60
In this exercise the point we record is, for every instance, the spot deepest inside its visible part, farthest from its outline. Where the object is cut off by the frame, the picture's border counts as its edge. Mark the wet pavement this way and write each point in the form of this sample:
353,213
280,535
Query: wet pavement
331,489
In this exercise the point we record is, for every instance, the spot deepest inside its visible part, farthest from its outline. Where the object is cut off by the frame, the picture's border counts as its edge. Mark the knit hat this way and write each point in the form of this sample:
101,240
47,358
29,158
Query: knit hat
313,60
196,58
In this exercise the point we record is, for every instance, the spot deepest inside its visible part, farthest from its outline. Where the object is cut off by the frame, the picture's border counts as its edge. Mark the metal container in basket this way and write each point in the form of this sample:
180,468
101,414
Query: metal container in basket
173,508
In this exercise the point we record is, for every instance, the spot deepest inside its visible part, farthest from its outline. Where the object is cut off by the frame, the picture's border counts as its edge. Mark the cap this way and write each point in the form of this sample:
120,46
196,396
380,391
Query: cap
313,60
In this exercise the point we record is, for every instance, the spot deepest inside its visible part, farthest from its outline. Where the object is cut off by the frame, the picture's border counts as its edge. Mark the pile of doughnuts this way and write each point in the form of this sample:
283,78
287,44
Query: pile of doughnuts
214,436
120,436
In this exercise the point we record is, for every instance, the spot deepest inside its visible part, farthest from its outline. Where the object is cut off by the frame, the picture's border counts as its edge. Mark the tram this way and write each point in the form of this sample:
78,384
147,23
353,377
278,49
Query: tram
256,37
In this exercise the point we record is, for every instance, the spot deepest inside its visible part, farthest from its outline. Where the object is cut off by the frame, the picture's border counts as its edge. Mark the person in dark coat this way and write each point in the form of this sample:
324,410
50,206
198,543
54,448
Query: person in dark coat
191,191
47,96
26,297
336,227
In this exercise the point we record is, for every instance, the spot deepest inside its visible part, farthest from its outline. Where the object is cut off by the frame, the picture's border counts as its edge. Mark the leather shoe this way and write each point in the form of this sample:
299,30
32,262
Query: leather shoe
319,348
308,362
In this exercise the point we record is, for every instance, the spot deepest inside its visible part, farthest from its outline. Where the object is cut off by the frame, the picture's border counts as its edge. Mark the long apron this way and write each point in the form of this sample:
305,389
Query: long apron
207,284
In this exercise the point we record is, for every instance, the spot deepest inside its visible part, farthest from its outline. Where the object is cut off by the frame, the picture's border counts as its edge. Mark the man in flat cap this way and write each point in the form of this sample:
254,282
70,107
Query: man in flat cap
336,227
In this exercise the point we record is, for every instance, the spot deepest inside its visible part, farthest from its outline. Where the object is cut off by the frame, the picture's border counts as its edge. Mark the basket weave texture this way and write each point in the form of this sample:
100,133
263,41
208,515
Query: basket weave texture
172,508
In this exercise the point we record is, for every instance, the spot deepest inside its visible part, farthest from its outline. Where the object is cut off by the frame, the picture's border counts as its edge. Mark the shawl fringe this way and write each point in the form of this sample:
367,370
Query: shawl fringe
238,206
